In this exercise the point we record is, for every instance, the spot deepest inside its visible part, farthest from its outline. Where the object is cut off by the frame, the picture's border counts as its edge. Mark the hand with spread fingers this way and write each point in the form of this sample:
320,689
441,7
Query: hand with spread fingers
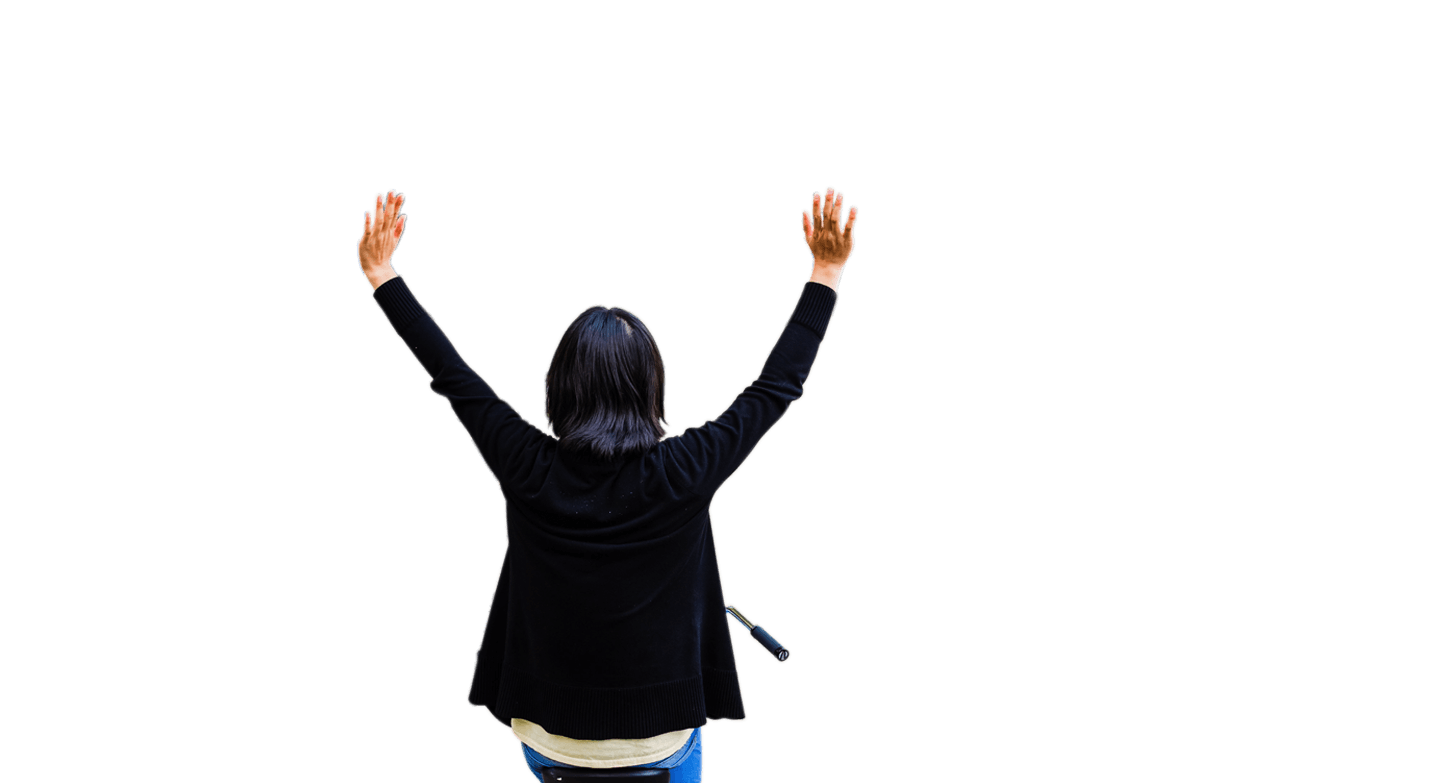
381,237
828,243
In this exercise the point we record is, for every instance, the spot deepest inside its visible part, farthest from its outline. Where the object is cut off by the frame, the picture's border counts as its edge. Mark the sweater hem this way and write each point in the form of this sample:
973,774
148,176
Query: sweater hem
612,713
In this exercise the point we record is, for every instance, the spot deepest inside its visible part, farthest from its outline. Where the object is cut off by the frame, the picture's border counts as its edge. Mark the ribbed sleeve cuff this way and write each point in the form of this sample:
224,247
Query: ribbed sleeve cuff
398,303
817,301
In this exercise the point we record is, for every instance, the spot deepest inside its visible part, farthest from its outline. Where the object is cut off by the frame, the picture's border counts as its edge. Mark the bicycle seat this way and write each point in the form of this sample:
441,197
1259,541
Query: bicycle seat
617,775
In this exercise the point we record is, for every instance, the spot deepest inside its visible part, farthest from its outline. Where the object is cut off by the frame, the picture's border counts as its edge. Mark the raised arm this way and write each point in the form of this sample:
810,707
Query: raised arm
707,454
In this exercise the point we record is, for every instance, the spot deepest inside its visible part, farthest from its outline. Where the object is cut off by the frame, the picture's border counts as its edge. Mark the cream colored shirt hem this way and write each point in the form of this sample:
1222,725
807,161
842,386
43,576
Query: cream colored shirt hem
600,754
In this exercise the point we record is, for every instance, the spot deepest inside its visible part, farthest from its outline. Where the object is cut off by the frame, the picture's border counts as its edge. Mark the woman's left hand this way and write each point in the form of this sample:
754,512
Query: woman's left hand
381,237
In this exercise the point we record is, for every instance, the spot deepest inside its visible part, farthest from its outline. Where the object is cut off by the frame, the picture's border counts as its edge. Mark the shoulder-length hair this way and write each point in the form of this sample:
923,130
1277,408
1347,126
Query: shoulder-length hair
605,391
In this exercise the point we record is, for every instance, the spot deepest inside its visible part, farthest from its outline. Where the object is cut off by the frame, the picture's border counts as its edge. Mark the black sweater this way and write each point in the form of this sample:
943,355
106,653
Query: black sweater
608,620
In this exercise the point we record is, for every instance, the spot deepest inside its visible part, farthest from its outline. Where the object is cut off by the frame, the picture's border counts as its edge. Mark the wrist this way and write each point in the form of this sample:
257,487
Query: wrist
827,274
380,274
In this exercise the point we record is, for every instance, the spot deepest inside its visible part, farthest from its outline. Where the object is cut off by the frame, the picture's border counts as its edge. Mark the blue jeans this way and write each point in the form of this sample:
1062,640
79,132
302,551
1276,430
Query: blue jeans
684,764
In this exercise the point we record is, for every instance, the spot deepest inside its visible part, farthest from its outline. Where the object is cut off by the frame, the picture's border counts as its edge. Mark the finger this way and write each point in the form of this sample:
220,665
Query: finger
399,227
828,215
390,211
379,212
399,202
835,211
805,222
367,224
850,224
815,208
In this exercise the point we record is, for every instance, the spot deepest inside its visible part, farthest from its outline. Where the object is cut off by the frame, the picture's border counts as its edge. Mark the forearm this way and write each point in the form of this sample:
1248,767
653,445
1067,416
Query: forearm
827,274
379,275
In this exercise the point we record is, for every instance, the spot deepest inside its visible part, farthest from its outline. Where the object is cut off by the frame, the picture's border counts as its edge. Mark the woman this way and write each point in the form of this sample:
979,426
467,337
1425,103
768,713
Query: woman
607,643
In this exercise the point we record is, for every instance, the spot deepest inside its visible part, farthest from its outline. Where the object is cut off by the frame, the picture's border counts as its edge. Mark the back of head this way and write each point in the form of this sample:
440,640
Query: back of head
605,392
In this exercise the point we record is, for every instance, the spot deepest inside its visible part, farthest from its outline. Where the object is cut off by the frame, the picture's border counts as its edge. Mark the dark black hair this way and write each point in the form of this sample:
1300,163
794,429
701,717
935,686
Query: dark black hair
605,391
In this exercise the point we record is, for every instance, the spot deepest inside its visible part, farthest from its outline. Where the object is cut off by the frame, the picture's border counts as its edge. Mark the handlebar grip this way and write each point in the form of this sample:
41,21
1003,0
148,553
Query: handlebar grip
769,643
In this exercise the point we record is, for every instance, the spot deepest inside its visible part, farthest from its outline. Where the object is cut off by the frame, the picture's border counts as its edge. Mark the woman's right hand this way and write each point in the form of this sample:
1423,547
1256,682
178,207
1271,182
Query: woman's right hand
829,245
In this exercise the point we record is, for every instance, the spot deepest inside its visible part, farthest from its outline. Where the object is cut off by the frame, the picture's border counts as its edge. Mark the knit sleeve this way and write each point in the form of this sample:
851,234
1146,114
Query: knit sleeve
702,458
496,428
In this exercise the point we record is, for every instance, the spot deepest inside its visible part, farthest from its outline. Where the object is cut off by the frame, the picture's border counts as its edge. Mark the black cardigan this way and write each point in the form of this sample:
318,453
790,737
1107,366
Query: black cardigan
608,620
